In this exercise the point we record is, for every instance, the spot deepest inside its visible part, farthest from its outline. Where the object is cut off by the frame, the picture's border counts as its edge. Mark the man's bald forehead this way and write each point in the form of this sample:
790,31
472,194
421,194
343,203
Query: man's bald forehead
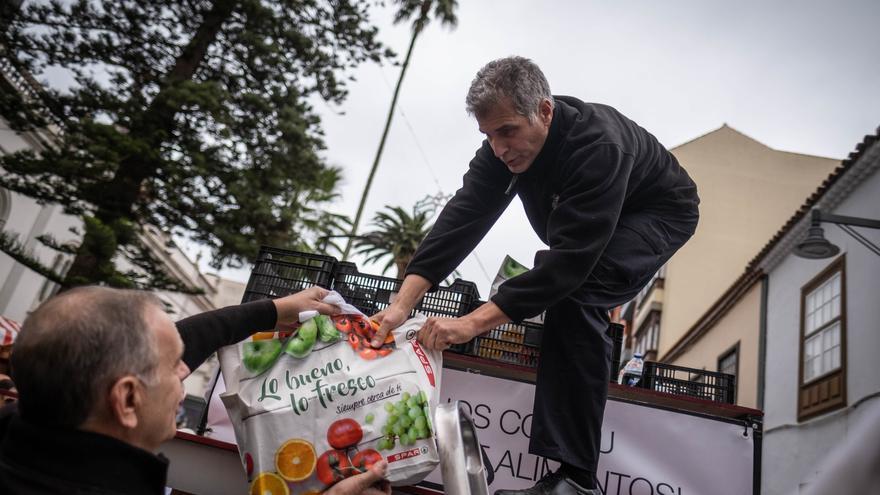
80,305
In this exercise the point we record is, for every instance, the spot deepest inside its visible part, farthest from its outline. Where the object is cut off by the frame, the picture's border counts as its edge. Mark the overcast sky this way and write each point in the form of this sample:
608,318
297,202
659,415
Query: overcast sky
798,76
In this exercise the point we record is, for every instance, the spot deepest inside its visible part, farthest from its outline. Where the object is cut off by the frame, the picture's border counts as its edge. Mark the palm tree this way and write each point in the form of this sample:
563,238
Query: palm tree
397,235
444,11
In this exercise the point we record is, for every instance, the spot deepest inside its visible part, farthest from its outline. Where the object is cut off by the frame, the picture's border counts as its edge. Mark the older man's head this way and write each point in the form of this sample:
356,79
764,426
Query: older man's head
103,360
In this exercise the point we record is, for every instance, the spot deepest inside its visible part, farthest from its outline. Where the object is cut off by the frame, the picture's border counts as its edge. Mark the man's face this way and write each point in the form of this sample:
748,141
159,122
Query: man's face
164,390
516,139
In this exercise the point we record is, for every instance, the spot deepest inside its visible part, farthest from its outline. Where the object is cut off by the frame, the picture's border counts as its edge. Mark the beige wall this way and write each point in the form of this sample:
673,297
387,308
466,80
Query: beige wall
229,292
747,192
741,324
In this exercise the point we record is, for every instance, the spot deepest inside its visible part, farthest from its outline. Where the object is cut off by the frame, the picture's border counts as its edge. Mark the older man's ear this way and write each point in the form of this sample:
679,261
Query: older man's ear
125,398
116,414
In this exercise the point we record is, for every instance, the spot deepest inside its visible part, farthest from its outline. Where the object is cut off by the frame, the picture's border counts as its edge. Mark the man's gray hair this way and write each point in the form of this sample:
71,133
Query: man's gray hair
75,346
517,78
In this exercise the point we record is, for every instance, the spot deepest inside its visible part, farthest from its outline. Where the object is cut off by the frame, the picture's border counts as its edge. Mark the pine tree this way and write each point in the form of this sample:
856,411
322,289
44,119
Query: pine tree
190,115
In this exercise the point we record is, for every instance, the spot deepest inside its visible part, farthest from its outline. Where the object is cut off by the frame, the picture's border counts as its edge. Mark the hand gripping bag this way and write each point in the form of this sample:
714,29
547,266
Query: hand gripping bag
315,406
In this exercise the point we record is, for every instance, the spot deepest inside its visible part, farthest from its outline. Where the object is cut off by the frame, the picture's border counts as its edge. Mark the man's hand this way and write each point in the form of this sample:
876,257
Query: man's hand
411,292
289,307
440,333
389,319
372,482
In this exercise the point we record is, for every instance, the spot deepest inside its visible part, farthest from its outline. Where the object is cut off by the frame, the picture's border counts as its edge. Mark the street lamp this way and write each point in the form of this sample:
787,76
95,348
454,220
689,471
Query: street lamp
816,246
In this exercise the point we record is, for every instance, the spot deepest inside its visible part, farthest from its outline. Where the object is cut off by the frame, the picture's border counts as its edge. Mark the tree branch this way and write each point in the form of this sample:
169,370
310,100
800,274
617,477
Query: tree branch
10,245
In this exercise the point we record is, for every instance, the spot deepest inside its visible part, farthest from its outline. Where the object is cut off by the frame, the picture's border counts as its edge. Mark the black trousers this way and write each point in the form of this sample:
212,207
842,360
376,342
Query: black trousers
572,378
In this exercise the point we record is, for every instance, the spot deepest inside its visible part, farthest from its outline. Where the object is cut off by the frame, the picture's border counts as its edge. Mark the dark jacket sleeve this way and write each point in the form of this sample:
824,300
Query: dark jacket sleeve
465,219
205,333
590,201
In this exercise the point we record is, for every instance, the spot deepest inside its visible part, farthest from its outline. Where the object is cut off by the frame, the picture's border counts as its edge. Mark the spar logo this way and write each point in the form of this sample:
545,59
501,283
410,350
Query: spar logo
406,454
424,360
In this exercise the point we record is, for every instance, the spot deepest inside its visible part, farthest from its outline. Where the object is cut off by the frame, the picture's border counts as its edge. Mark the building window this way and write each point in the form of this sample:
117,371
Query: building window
729,361
822,329
656,281
648,335
823,337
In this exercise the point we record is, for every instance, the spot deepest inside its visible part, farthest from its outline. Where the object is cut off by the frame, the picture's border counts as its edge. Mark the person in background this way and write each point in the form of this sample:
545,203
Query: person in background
99,373
612,205
8,332
9,329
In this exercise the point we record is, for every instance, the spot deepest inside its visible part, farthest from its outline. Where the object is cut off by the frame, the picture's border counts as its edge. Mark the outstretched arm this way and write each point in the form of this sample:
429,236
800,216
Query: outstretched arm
205,333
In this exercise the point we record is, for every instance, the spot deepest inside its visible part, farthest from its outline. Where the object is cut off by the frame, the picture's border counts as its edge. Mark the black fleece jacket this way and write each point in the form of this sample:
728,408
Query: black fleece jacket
595,166
205,333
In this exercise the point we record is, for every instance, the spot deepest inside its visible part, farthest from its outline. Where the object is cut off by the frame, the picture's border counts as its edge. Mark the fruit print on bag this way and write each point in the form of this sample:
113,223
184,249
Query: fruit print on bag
321,404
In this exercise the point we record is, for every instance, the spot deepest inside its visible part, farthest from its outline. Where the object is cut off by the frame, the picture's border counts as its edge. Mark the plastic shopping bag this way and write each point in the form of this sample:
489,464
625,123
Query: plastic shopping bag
320,404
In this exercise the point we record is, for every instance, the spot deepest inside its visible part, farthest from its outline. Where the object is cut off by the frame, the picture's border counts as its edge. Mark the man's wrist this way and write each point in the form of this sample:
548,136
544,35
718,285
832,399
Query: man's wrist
485,318
399,307
284,310
474,326
411,292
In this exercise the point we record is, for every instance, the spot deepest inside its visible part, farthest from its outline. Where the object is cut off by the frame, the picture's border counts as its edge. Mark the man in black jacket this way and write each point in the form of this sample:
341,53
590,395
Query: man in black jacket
99,374
611,203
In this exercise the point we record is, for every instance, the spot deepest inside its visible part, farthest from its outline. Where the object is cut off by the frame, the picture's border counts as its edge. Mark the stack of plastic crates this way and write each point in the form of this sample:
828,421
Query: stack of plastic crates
678,380
519,343
279,272
513,343
373,293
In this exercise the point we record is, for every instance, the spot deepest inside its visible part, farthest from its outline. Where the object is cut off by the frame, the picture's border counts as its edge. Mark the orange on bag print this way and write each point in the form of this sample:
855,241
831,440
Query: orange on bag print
269,484
295,460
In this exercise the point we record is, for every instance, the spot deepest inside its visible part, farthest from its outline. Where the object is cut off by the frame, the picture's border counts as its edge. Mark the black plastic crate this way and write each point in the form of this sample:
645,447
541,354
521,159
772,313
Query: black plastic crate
678,380
279,272
514,343
504,342
373,293
520,343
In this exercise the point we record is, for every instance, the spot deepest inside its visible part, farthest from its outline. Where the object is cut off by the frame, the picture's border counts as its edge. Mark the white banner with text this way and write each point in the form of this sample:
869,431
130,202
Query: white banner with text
644,450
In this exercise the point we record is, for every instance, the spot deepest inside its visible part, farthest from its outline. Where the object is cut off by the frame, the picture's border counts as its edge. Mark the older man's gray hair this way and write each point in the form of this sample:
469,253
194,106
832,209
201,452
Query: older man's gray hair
517,78
75,346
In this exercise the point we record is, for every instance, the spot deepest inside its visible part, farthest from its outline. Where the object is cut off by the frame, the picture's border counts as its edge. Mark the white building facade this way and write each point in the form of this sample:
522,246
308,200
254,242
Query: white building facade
21,289
822,339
